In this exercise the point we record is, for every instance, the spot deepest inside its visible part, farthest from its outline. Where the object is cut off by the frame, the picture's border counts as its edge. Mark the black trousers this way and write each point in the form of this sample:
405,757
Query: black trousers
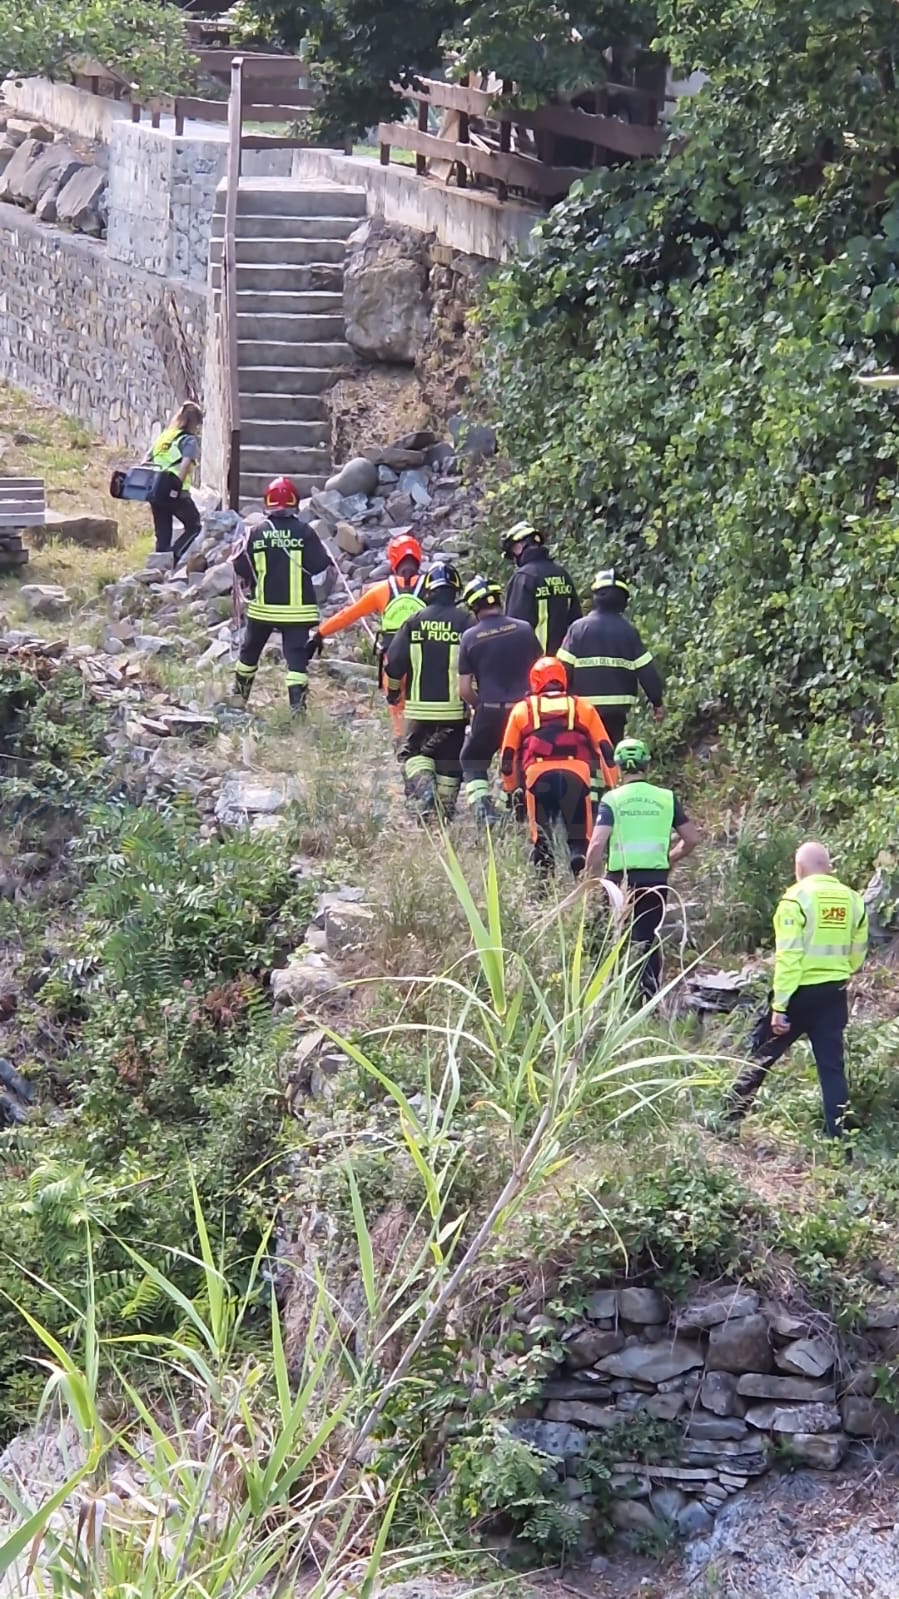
482,741
648,914
614,719
295,644
174,504
429,755
820,1013
559,796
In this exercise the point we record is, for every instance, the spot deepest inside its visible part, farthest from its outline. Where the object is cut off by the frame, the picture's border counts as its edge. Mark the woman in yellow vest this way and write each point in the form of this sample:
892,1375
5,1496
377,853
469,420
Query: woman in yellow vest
175,454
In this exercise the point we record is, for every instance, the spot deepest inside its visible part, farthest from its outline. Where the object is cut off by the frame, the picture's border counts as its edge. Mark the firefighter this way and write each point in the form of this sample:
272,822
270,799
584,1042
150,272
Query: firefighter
541,591
277,565
556,749
425,653
821,939
634,825
496,656
607,660
395,599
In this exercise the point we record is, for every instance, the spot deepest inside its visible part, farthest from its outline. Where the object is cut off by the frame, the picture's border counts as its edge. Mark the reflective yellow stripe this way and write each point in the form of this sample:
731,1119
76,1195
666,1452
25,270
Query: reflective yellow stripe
642,660
434,711
608,660
824,949
542,628
417,764
296,581
297,677
260,612
260,562
415,661
566,655
610,699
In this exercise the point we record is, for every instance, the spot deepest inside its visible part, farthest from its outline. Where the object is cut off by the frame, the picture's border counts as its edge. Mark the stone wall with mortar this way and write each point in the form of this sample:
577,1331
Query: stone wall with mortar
741,1383
108,343
161,200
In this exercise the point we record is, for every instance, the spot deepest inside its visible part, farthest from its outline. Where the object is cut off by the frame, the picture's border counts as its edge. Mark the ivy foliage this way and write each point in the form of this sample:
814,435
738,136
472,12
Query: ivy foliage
672,375
143,40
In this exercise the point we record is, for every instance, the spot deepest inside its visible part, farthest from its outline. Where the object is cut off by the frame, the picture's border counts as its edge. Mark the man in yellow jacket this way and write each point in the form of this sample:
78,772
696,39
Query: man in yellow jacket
821,939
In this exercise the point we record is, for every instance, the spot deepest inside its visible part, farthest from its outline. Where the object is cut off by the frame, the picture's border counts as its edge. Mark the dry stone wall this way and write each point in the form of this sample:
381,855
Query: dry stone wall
114,346
742,1383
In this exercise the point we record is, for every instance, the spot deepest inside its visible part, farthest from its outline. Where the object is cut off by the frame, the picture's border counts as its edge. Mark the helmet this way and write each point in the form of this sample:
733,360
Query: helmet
281,495
521,533
631,755
442,575
546,673
609,579
481,591
401,547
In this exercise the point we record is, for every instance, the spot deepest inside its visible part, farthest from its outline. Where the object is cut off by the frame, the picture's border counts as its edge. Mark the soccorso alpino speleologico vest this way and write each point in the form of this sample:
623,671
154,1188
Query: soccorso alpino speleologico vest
168,449
555,733
279,552
403,603
643,821
432,687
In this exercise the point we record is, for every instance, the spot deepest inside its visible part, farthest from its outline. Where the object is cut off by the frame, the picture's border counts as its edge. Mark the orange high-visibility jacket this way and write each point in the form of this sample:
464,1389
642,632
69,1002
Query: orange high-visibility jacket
374,600
547,732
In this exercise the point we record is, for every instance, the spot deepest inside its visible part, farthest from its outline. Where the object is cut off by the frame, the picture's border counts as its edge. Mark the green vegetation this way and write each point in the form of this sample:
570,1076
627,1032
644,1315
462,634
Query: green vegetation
144,41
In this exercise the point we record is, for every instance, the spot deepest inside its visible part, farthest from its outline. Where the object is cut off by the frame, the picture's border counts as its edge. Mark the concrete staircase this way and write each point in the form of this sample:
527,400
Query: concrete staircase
291,243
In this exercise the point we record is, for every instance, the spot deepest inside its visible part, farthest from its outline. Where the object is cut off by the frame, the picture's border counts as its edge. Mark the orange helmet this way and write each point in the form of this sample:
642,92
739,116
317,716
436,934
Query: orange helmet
402,546
546,673
281,495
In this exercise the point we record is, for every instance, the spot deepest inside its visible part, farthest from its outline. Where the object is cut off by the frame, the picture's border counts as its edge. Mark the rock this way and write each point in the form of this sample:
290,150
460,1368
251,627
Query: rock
653,1364
385,292
348,539
44,599
335,899
7,151
665,1407
882,1316
863,1381
244,796
553,1437
181,722
824,1451
311,977
591,1345
691,1477
794,1418
631,1515
747,1455
694,1522
718,1393
91,532
82,202
218,581
723,1305
160,561
667,1502
471,438
602,1303
397,457
629,1485
807,1357
216,652
196,562
755,1386
865,1418
28,154
328,505
358,476
400,507
642,1305
348,928
152,644
599,1417
785,1324
576,1388
45,210
415,484
51,171
740,1345
714,1427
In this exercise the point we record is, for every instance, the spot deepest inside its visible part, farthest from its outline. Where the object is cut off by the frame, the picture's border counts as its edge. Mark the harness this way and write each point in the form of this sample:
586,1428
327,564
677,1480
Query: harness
555,733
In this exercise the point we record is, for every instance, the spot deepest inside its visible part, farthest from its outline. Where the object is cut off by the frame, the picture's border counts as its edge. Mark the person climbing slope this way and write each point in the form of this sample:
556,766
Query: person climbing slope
540,591
175,454
495,659
425,654
606,658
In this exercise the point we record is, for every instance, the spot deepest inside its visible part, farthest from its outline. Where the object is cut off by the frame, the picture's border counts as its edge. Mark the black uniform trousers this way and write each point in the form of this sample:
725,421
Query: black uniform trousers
647,907
482,742
558,796
614,720
174,504
429,755
819,1012
294,642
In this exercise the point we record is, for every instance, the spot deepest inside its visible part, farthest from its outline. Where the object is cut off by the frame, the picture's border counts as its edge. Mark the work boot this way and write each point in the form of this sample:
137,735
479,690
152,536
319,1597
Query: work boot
296,694
485,813
242,687
578,862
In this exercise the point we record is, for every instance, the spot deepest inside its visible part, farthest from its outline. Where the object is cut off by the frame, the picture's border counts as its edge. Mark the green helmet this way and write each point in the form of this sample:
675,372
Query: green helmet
481,591
631,755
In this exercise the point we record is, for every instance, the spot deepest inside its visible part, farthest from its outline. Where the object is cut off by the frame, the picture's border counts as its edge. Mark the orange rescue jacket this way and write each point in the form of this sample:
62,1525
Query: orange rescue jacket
552,731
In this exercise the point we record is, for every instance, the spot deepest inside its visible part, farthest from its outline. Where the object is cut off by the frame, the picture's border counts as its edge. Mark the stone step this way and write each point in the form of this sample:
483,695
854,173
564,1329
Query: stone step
288,250
291,409
277,353
315,302
277,197
293,380
251,228
271,328
314,277
306,463
254,484
283,434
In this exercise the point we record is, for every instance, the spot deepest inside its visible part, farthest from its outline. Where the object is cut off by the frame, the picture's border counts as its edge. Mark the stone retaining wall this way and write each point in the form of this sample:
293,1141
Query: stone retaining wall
112,345
742,1382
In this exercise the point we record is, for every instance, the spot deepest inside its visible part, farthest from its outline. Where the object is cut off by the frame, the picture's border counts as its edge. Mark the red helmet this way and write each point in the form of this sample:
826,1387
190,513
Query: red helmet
281,495
547,673
402,546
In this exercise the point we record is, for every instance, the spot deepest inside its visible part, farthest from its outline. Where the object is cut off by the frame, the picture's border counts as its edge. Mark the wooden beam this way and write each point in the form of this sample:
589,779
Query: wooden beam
254,66
518,171
276,141
625,138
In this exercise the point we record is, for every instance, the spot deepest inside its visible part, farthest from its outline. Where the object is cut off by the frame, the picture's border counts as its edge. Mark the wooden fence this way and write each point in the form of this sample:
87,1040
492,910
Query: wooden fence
469,156
275,90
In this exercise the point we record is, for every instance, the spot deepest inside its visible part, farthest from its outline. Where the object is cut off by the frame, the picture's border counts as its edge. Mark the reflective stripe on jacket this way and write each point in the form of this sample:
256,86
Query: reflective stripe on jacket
607,661
425,651
643,821
821,935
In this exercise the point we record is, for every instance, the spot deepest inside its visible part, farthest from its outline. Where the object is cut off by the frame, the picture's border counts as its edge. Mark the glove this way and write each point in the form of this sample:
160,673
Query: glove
315,645
394,695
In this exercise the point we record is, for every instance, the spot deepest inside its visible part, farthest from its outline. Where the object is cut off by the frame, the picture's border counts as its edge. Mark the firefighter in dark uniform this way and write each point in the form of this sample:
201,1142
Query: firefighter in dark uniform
541,591
494,662
606,658
276,566
425,652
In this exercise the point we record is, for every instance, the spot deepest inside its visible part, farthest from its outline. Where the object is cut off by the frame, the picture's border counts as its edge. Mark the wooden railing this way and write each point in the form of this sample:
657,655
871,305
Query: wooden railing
275,91
469,156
